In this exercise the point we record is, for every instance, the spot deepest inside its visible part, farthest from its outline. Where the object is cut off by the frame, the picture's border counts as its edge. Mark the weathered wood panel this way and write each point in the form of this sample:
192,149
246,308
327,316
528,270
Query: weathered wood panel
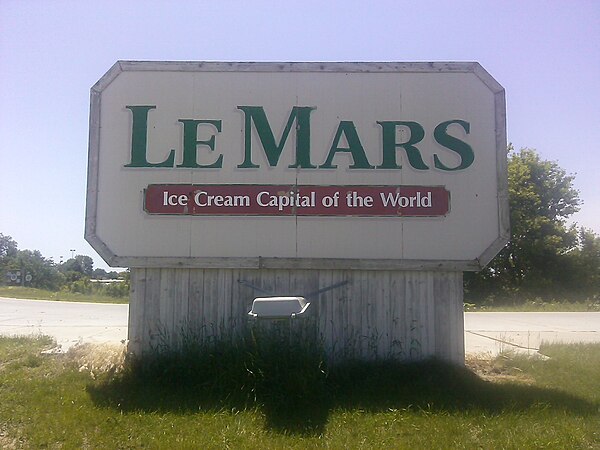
405,315
137,294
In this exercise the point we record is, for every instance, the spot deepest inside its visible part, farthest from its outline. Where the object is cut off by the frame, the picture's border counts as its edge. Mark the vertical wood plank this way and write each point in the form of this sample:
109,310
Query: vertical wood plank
282,283
196,303
449,317
413,317
339,309
209,295
341,326
458,330
381,314
151,320
181,287
398,344
166,305
237,303
400,314
135,330
325,323
429,319
225,300
251,277
369,339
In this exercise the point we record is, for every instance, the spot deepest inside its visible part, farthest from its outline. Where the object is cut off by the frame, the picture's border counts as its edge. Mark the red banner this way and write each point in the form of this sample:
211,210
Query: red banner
281,200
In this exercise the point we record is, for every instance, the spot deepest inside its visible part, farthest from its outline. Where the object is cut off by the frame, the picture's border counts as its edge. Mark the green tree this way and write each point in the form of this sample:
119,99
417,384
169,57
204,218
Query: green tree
86,263
541,199
43,271
8,250
100,274
584,264
77,267
71,269
8,247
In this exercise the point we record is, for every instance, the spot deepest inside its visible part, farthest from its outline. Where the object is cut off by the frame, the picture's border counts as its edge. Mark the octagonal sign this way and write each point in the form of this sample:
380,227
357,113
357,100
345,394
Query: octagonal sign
297,165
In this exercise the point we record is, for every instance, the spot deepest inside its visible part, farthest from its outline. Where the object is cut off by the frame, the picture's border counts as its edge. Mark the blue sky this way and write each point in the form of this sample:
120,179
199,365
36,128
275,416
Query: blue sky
546,54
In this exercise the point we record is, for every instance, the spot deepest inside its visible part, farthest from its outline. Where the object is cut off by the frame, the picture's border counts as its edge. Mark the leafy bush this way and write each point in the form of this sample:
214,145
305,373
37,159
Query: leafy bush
86,287
116,290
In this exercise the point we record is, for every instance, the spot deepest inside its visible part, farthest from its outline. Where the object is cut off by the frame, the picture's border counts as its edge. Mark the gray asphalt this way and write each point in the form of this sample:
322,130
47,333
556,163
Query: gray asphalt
486,333
69,323
494,332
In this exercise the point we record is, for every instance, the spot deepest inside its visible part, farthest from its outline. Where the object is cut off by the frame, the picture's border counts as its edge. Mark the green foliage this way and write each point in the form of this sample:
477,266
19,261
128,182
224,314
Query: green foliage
101,274
87,287
515,304
80,286
44,273
541,198
8,247
117,290
81,264
59,296
72,276
584,264
545,257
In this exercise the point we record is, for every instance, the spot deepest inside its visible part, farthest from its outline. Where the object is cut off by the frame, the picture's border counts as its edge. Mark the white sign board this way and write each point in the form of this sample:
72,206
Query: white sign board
299,165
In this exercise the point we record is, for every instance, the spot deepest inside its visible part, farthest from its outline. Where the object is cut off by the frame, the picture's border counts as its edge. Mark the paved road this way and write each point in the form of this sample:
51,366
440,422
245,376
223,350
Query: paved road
491,333
69,323
485,333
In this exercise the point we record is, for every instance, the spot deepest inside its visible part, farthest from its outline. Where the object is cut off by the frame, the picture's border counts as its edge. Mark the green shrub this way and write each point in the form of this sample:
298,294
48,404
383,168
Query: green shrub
85,286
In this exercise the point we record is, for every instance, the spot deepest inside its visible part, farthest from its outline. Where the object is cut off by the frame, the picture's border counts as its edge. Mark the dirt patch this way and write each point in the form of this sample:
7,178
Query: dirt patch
498,369
8,442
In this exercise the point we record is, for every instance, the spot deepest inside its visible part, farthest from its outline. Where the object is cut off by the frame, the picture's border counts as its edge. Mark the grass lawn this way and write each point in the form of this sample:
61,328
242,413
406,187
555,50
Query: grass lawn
42,294
86,399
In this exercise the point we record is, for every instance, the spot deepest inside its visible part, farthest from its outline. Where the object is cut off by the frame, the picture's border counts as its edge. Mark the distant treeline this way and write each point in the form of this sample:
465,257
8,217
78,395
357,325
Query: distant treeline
30,268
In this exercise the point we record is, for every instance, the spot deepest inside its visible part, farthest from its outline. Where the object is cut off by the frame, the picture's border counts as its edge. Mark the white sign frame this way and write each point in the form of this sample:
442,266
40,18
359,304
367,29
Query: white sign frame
113,258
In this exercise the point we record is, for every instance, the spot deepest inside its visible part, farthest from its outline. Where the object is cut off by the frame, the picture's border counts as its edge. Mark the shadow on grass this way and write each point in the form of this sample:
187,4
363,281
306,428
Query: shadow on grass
437,386
296,394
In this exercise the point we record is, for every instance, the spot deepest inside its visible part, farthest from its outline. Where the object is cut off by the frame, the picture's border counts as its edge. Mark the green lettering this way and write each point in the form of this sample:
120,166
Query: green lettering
272,149
191,143
139,140
463,149
355,147
388,131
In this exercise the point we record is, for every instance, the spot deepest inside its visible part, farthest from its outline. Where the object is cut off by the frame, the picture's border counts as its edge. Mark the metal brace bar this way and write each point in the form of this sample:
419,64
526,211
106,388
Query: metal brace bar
256,288
312,294
329,288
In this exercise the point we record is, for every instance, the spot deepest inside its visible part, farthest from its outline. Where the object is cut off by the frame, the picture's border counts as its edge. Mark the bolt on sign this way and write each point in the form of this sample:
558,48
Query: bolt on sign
212,164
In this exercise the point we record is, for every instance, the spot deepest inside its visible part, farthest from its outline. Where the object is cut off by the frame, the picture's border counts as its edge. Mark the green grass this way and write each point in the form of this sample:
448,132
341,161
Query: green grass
63,296
537,305
254,395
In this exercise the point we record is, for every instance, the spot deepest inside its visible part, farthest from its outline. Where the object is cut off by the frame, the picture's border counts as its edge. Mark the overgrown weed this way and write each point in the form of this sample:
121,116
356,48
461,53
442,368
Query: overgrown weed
292,385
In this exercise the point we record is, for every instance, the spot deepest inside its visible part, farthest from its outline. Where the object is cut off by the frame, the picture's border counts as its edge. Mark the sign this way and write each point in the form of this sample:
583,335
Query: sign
270,200
195,164
15,277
